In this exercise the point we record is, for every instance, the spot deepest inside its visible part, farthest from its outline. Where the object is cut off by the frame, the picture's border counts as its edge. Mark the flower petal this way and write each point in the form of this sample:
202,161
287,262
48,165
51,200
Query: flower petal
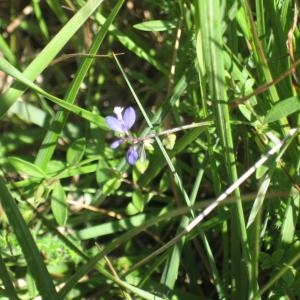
132,156
115,144
114,124
129,117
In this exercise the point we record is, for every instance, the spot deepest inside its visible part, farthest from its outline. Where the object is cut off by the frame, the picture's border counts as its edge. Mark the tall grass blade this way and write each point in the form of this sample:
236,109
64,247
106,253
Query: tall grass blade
31,253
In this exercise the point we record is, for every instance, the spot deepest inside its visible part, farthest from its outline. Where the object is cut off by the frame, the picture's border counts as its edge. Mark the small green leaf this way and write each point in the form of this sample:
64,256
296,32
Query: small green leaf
138,200
39,192
76,151
59,204
26,167
288,230
155,25
259,200
283,109
140,168
58,268
111,186
164,183
131,209
169,141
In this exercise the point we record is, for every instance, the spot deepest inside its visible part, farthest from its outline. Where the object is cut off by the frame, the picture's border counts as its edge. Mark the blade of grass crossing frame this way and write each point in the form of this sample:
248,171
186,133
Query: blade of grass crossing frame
49,143
245,16
212,262
58,10
39,16
5,49
261,24
31,253
45,57
12,71
9,291
202,74
211,36
170,273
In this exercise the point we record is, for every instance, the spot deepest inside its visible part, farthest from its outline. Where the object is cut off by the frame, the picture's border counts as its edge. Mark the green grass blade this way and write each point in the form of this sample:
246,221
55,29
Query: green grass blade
283,109
10,70
10,291
212,45
6,51
288,229
171,267
39,15
59,205
31,253
58,10
112,227
155,25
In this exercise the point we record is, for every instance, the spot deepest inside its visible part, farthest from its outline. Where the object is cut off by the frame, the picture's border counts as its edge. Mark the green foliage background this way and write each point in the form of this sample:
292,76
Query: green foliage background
77,222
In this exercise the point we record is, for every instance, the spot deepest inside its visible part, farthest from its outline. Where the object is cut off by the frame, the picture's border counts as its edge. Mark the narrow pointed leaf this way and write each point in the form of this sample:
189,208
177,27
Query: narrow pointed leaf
59,204
26,167
155,25
283,109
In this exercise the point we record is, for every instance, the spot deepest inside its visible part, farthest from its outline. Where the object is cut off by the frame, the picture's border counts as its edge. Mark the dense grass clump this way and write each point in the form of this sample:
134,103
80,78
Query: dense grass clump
149,149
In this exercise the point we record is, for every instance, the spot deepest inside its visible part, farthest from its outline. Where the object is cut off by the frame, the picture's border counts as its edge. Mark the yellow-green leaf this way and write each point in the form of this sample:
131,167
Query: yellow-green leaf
283,109
26,167
155,25
59,204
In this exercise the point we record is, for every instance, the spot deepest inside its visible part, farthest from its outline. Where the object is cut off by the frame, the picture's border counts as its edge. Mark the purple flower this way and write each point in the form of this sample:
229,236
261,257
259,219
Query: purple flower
123,122
116,143
132,155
